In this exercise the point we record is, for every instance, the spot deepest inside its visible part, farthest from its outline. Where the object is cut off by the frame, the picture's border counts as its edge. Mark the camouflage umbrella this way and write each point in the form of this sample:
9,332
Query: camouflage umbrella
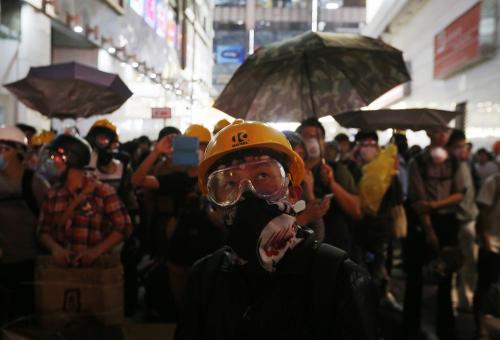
401,119
313,74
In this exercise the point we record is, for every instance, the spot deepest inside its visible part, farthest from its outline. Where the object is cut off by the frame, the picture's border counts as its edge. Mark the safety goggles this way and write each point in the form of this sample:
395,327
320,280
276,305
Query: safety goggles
103,141
55,156
265,178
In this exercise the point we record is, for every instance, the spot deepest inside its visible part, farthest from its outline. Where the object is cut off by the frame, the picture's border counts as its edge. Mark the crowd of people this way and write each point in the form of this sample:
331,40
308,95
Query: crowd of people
256,205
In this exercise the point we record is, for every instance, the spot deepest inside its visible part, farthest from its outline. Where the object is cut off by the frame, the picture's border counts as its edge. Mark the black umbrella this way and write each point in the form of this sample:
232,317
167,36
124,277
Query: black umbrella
401,119
70,90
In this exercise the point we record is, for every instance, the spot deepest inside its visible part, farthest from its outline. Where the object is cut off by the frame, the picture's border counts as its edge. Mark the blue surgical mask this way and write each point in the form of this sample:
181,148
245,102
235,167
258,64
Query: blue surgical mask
3,163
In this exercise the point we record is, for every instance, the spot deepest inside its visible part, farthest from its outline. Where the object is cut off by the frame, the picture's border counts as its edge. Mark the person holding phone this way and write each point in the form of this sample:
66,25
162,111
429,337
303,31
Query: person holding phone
193,231
331,178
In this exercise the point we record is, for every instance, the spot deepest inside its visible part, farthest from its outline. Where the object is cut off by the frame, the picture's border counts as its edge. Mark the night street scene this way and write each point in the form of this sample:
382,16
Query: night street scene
249,169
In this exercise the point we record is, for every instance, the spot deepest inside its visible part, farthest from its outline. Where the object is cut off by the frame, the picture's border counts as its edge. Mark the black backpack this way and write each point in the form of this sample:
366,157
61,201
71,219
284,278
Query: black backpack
323,281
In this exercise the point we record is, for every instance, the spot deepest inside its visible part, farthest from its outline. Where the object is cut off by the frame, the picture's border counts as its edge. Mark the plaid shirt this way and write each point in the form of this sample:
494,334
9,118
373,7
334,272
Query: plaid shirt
99,214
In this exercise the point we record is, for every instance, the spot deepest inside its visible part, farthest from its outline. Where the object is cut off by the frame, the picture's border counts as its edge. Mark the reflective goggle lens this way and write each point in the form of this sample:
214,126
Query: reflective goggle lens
266,178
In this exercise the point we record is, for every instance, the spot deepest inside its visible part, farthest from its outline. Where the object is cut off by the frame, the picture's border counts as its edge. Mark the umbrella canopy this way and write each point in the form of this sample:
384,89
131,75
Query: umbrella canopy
402,119
70,90
313,74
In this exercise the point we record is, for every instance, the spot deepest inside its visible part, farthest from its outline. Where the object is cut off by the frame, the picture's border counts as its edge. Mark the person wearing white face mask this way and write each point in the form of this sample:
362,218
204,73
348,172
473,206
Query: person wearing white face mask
331,178
21,195
372,236
436,188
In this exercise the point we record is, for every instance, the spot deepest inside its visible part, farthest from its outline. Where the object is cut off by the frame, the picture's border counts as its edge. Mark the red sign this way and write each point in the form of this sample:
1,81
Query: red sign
457,46
161,112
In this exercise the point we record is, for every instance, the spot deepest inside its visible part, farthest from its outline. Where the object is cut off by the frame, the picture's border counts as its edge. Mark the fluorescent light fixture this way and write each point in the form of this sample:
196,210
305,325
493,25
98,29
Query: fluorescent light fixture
332,5
78,29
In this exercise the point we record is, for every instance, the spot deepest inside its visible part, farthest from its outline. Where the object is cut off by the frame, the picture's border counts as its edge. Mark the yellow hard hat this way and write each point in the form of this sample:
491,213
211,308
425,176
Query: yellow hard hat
220,125
105,123
198,131
42,138
242,135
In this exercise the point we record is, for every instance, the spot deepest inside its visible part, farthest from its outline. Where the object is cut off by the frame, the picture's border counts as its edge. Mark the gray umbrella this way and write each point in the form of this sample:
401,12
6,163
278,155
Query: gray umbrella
70,90
401,119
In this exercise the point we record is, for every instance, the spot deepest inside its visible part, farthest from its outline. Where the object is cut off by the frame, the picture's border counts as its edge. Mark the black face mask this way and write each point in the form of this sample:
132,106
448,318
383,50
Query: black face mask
245,222
104,156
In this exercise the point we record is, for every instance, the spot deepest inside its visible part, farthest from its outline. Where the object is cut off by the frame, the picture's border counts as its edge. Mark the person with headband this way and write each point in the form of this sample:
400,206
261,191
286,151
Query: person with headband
272,280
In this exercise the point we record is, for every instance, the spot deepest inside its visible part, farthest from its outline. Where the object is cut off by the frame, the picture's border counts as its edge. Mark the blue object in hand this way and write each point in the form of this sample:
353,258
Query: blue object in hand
185,151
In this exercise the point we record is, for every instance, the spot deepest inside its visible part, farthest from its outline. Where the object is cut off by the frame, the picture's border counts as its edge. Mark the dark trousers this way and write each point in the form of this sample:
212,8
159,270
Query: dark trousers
416,253
488,270
17,297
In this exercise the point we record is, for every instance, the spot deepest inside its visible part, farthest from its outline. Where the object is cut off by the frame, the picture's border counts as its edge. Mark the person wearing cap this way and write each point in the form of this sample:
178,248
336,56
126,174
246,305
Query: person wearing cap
22,192
272,280
82,218
193,230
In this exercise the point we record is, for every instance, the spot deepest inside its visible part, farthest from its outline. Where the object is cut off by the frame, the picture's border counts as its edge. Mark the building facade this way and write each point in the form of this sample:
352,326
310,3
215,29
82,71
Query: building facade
162,49
242,26
451,47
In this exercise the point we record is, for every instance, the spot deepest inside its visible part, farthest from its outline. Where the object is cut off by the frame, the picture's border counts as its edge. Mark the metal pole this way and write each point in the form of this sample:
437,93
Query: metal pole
314,15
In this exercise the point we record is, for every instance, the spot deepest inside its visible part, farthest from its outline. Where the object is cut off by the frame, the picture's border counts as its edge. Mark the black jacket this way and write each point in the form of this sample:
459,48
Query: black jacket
312,295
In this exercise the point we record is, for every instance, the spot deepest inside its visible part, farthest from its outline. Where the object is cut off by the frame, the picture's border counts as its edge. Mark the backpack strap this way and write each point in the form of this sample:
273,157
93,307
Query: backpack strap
326,263
27,191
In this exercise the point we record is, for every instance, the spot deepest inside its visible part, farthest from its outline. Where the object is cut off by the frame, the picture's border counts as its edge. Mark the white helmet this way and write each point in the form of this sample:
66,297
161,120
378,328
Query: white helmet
13,134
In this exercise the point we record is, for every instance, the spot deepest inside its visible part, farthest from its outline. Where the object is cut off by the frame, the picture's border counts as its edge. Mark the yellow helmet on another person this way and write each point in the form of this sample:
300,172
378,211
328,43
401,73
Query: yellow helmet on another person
42,138
105,123
198,131
220,125
242,135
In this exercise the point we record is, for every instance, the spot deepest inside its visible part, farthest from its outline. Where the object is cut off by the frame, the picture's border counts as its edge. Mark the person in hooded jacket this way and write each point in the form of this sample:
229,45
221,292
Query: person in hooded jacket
272,280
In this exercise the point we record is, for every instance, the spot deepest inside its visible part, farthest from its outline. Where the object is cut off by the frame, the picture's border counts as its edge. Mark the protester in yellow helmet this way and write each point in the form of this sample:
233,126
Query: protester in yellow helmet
220,125
272,279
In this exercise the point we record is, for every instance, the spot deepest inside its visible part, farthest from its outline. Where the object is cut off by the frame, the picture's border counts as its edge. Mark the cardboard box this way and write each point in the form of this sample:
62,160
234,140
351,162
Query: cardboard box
64,295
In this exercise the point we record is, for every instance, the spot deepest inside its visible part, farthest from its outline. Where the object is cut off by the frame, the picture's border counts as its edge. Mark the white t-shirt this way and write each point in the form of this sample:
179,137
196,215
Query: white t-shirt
489,195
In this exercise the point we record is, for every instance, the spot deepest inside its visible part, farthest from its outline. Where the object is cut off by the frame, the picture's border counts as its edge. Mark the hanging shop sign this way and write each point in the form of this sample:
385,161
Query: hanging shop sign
230,54
161,112
467,41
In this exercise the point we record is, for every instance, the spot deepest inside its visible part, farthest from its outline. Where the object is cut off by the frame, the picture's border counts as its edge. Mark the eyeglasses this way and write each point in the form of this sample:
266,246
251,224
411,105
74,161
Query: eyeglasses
265,178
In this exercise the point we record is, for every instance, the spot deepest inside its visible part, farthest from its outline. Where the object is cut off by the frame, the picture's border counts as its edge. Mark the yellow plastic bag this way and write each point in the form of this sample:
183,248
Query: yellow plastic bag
377,176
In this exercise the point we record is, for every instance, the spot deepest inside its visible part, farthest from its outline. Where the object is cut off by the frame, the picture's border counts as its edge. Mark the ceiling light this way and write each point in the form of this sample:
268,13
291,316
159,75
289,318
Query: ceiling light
111,50
332,5
78,29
